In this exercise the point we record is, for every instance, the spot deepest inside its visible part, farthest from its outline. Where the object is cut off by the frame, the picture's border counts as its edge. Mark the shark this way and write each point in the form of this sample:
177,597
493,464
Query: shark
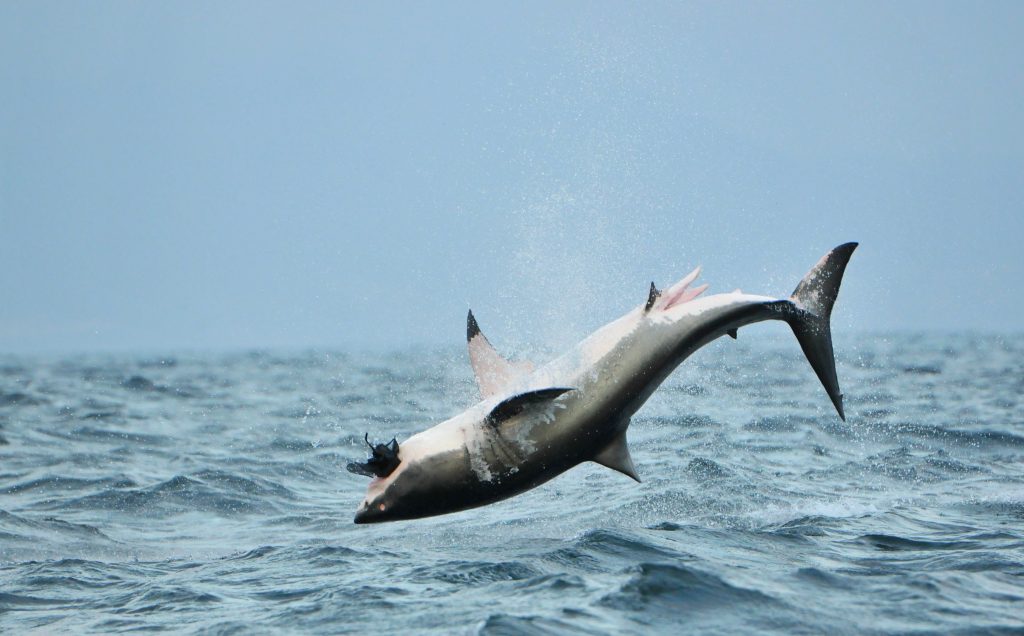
535,423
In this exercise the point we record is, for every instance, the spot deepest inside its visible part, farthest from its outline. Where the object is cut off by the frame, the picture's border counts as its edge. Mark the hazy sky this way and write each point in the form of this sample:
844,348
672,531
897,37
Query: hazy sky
204,175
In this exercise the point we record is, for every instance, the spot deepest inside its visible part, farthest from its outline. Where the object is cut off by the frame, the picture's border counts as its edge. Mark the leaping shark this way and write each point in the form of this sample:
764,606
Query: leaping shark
534,424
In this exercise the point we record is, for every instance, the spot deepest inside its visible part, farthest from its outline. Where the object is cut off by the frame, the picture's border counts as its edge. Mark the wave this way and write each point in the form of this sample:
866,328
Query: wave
672,587
476,572
18,398
218,514
706,469
142,384
10,601
219,492
781,423
509,625
30,529
97,434
888,542
923,369
973,438
601,546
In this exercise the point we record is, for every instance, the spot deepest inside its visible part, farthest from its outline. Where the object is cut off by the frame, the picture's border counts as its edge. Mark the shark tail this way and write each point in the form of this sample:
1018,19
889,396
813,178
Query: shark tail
813,299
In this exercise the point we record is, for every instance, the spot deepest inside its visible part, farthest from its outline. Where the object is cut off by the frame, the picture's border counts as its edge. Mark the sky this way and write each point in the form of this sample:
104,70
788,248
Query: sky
236,175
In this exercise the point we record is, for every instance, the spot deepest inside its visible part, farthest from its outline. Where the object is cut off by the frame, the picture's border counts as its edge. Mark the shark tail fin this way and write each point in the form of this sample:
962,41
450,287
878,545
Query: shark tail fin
813,299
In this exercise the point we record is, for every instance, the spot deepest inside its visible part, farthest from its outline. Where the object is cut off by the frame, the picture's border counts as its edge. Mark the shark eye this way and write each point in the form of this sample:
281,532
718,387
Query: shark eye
383,462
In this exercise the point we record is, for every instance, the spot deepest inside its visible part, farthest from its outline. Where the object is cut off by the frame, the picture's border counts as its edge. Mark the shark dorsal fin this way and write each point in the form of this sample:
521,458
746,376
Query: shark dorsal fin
515,405
494,374
616,456
651,297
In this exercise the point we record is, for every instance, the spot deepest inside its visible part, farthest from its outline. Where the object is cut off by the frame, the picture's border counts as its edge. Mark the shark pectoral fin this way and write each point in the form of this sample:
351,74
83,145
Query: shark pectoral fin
732,333
616,456
493,372
517,403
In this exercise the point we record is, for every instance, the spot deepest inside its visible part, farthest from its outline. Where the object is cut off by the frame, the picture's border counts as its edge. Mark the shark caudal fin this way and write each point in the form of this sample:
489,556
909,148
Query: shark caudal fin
813,300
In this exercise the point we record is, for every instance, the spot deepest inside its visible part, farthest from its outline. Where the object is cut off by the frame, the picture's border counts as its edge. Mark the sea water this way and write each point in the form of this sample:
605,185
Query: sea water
207,494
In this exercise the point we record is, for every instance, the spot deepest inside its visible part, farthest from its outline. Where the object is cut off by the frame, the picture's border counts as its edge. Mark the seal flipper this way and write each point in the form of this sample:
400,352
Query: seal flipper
494,373
383,462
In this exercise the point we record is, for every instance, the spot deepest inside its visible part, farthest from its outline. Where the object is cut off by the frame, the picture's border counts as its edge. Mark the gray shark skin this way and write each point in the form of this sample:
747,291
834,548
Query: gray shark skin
533,425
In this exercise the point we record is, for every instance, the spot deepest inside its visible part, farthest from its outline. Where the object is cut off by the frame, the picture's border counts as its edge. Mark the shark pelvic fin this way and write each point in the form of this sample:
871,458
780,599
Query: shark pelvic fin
493,372
516,404
616,456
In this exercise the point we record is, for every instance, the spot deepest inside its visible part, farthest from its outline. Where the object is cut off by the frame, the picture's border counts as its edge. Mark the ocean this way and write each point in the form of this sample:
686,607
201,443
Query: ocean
207,493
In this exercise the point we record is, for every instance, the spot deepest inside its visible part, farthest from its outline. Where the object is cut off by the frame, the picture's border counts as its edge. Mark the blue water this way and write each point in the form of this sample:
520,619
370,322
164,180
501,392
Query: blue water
207,494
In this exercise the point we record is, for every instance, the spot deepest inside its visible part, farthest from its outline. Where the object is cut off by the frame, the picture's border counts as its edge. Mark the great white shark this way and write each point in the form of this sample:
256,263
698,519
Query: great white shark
534,424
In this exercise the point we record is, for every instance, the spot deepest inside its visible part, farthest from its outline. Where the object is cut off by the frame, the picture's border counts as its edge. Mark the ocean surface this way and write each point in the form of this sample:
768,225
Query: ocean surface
207,494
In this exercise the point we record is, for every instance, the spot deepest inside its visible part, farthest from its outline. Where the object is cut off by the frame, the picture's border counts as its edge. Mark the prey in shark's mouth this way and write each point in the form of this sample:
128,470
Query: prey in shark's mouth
534,424
383,459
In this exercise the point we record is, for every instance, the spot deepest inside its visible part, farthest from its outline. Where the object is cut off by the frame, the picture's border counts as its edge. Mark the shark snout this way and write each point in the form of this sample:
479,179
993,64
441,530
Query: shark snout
369,512
361,516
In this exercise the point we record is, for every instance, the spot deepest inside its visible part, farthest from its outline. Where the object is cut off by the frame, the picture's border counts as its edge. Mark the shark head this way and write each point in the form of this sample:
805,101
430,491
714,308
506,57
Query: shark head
382,503
383,466
454,465
419,485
